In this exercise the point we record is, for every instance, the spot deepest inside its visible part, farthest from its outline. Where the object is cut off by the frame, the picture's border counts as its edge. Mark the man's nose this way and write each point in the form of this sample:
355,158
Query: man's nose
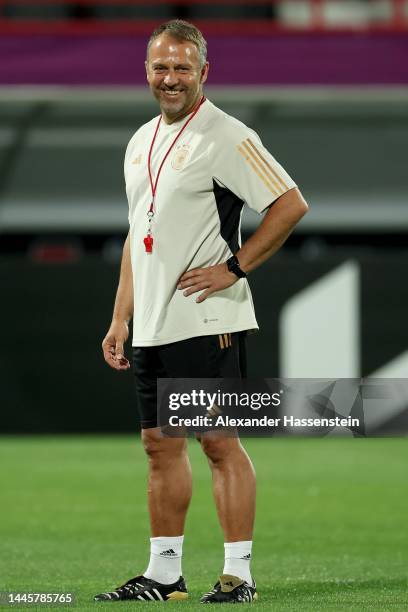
171,78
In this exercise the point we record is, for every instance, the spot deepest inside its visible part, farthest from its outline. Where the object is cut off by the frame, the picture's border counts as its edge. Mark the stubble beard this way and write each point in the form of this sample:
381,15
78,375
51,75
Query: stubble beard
174,111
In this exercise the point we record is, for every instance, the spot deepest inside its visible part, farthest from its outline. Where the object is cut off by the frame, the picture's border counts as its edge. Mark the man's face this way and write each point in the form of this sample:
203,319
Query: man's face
175,75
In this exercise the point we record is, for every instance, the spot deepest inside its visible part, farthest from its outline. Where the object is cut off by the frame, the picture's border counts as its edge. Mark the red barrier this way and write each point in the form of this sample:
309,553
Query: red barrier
143,2
232,26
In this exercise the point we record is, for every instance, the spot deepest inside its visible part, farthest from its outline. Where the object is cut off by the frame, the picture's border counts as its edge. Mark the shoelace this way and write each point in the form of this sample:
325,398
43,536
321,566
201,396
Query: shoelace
129,589
126,590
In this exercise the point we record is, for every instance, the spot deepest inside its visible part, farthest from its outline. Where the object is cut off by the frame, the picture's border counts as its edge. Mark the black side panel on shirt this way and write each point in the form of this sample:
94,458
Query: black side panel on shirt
229,210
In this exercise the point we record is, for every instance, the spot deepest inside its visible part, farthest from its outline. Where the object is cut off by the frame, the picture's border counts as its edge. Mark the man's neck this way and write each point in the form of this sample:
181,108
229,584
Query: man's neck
169,120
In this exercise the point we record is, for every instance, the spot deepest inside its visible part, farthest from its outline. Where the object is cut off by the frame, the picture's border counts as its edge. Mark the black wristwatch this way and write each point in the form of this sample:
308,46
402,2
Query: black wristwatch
233,266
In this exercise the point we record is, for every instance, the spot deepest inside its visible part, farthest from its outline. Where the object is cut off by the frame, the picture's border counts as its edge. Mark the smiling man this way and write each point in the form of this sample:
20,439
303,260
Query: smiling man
188,174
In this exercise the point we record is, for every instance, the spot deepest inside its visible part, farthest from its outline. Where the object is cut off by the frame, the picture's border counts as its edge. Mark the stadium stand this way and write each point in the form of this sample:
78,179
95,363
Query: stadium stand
229,16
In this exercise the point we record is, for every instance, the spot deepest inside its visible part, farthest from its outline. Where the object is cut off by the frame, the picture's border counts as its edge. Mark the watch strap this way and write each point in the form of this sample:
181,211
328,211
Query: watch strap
233,266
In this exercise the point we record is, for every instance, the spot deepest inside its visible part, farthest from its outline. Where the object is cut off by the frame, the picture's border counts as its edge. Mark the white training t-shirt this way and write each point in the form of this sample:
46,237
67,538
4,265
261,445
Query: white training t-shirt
217,165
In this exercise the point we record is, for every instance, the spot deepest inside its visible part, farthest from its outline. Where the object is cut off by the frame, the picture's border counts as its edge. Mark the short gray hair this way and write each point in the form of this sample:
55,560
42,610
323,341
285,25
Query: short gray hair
182,31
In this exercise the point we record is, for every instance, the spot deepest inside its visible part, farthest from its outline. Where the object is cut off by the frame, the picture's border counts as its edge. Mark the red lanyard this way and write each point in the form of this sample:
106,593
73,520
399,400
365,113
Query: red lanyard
148,240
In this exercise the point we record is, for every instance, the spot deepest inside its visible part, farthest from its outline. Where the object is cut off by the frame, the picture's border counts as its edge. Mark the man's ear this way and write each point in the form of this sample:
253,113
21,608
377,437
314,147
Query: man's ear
147,70
204,72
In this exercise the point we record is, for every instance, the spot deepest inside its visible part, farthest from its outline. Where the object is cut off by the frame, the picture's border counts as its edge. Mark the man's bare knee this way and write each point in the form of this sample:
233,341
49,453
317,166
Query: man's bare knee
161,449
218,448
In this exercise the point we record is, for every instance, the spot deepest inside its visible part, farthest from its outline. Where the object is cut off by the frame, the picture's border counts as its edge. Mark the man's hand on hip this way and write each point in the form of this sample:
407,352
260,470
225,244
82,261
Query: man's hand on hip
211,279
113,344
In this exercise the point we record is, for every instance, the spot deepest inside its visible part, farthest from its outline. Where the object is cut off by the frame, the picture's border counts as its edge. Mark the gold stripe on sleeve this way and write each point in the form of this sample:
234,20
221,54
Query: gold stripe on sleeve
279,178
262,168
257,171
220,338
226,340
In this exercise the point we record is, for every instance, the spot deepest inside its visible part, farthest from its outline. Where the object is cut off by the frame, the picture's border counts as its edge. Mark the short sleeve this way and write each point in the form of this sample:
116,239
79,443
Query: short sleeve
246,168
128,153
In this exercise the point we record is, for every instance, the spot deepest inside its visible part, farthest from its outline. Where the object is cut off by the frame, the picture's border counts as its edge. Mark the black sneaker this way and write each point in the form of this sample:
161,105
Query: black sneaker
144,589
231,589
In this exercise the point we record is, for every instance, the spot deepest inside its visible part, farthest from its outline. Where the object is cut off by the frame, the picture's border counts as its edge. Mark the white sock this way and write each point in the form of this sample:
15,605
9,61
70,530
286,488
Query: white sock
165,559
238,560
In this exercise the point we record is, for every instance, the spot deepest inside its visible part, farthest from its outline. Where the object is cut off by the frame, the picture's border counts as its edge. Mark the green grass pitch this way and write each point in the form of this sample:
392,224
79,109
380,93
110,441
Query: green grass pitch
331,530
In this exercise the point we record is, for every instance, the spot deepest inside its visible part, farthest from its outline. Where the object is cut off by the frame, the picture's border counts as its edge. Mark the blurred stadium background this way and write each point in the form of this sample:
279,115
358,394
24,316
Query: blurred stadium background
324,82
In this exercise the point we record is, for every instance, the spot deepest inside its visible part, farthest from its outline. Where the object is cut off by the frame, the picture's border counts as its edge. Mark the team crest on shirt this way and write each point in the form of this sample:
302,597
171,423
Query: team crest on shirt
180,157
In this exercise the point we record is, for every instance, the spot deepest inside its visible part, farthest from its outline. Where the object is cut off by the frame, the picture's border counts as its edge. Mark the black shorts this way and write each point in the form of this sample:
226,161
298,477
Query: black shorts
220,356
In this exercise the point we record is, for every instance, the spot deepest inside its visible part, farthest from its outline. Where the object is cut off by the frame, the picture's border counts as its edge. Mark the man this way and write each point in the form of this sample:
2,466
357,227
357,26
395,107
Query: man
188,173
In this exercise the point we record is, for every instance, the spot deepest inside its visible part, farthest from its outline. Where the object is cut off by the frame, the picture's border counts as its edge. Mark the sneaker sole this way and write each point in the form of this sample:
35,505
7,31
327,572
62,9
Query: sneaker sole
255,597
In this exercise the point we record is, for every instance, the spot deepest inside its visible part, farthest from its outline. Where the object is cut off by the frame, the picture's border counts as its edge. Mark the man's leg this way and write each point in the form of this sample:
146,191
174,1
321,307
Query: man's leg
234,492
169,479
169,493
169,482
234,485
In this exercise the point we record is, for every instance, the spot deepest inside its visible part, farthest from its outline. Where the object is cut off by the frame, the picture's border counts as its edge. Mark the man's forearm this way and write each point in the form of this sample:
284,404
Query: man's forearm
123,309
275,228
